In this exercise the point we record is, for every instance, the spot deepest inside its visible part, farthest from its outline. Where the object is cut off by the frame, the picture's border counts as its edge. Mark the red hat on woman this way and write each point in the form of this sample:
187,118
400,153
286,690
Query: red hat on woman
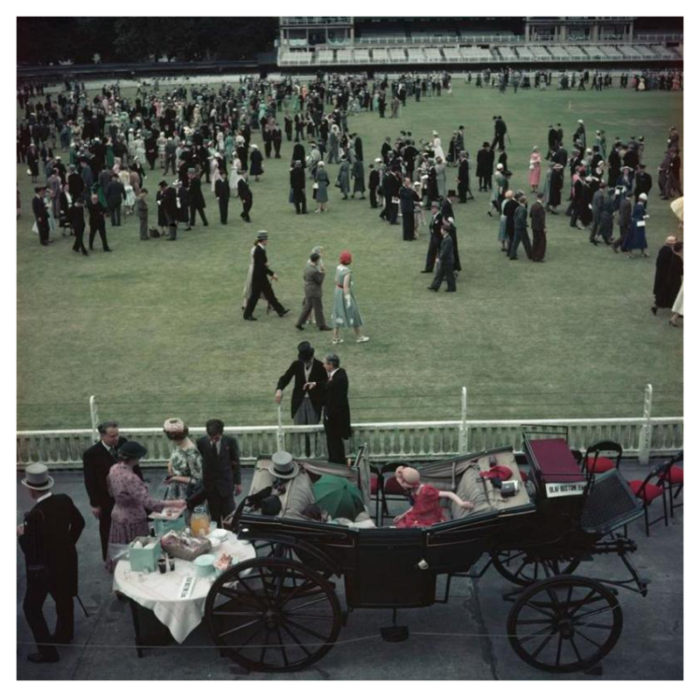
345,257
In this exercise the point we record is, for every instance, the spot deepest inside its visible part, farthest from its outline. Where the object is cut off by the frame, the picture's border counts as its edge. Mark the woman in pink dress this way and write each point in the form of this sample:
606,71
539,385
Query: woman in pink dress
132,502
535,169
426,509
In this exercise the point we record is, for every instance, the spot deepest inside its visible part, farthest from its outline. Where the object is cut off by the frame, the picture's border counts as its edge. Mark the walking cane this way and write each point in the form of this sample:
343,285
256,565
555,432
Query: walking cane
80,602
509,141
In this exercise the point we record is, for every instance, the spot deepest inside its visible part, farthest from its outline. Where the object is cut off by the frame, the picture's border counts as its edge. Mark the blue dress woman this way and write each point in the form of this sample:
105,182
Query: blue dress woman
637,238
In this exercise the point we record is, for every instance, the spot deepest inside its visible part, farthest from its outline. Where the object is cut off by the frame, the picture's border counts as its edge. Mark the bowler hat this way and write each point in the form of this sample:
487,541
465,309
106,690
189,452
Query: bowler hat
283,465
132,450
306,351
37,477
272,505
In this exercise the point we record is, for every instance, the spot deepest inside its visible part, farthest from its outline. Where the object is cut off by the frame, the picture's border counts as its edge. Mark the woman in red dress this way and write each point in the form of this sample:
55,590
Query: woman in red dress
426,509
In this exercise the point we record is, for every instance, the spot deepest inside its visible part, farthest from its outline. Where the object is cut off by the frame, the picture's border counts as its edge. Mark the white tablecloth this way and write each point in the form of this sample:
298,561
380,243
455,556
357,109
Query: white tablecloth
159,592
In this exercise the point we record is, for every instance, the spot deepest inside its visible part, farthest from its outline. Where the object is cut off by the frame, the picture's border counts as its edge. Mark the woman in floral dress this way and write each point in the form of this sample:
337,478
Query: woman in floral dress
132,502
535,169
185,466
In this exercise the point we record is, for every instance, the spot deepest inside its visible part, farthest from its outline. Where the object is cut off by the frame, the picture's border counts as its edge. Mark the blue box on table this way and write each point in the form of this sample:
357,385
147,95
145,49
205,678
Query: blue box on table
146,557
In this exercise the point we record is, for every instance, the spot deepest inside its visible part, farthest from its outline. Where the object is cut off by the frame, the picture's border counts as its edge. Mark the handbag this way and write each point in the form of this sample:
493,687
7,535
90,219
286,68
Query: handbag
315,186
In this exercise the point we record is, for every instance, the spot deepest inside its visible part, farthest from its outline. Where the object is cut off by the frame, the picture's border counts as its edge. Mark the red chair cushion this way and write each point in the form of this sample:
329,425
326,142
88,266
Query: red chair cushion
674,475
392,486
650,492
603,464
374,484
524,475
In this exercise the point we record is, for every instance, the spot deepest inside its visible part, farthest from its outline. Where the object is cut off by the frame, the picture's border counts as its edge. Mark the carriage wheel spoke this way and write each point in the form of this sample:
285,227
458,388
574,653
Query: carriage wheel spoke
284,651
575,648
249,600
534,622
307,604
595,626
264,649
536,653
305,629
540,610
561,641
296,639
225,613
238,629
591,613
527,637
589,640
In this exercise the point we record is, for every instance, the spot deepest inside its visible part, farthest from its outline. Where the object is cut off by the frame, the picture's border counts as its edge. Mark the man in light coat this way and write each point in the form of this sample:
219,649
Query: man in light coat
313,280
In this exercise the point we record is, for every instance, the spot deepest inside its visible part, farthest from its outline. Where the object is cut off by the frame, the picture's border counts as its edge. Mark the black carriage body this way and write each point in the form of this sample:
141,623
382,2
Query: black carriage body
280,611
398,568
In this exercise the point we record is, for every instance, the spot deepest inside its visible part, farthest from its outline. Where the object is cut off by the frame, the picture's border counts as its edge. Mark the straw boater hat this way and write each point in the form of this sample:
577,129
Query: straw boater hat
283,466
36,477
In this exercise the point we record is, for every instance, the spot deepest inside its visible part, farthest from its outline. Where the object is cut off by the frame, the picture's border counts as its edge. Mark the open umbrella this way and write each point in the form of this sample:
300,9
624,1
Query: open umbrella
340,497
677,208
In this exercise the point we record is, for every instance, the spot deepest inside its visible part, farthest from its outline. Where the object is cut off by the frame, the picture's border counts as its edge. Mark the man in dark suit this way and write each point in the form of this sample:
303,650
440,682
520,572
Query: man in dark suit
463,177
520,231
76,185
260,283
297,181
171,211
41,215
614,166
77,221
48,538
446,263
310,380
97,222
336,409
246,196
643,183
197,203
222,192
221,470
392,184
499,133
97,461
538,218
115,194
435,227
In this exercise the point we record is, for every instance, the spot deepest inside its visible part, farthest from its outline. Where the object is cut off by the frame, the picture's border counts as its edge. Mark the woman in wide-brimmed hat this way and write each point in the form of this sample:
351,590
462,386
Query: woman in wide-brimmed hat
132,502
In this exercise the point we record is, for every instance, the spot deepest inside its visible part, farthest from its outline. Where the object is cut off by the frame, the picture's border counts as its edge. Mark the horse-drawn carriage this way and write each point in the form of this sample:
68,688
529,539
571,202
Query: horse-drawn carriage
281,611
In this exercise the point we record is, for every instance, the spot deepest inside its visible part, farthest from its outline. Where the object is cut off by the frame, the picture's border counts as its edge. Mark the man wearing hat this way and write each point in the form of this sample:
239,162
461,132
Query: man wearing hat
314,275
48,538
310,380
260,285
283,467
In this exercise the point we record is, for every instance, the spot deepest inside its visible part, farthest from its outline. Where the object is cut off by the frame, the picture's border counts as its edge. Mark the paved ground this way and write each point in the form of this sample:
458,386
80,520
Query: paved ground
463,640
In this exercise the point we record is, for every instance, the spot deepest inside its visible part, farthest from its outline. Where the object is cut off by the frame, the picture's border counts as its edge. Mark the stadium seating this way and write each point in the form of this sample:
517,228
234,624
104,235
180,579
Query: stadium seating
540,53
344,56
507,53
452,54
416,55
524,53
362,55
380,55
433,55
397,55
476,54
325,57
575,52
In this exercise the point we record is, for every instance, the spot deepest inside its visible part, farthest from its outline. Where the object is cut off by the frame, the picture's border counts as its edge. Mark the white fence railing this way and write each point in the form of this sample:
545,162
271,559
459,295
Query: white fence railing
324,59
642,437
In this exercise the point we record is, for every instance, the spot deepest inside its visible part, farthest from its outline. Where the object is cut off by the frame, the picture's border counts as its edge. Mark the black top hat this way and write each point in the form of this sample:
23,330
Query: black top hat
306,351
272,505
131,450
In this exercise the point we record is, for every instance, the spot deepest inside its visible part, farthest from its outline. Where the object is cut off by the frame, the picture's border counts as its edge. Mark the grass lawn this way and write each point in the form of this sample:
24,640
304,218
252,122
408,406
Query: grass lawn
155,330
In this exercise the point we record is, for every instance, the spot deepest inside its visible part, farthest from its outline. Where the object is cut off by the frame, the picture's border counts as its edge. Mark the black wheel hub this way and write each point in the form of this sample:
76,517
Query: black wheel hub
566,628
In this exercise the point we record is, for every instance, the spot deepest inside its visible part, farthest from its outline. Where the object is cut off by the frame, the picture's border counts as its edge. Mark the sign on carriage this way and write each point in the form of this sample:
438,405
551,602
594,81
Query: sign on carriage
558,489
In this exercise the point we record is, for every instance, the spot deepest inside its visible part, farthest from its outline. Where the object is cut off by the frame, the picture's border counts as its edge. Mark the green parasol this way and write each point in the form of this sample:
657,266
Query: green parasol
340,497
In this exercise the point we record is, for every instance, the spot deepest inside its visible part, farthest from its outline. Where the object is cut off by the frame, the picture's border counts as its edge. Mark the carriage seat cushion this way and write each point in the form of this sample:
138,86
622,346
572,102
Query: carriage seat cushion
481,492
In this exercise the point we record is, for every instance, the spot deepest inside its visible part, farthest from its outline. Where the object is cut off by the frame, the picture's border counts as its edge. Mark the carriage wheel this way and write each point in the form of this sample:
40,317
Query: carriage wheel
518,567
273,615
565,624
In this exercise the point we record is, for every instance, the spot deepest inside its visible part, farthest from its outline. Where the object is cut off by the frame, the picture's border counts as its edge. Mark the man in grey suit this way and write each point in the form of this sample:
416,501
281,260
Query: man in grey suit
446,262
313,280
520,235
221,471
597,209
